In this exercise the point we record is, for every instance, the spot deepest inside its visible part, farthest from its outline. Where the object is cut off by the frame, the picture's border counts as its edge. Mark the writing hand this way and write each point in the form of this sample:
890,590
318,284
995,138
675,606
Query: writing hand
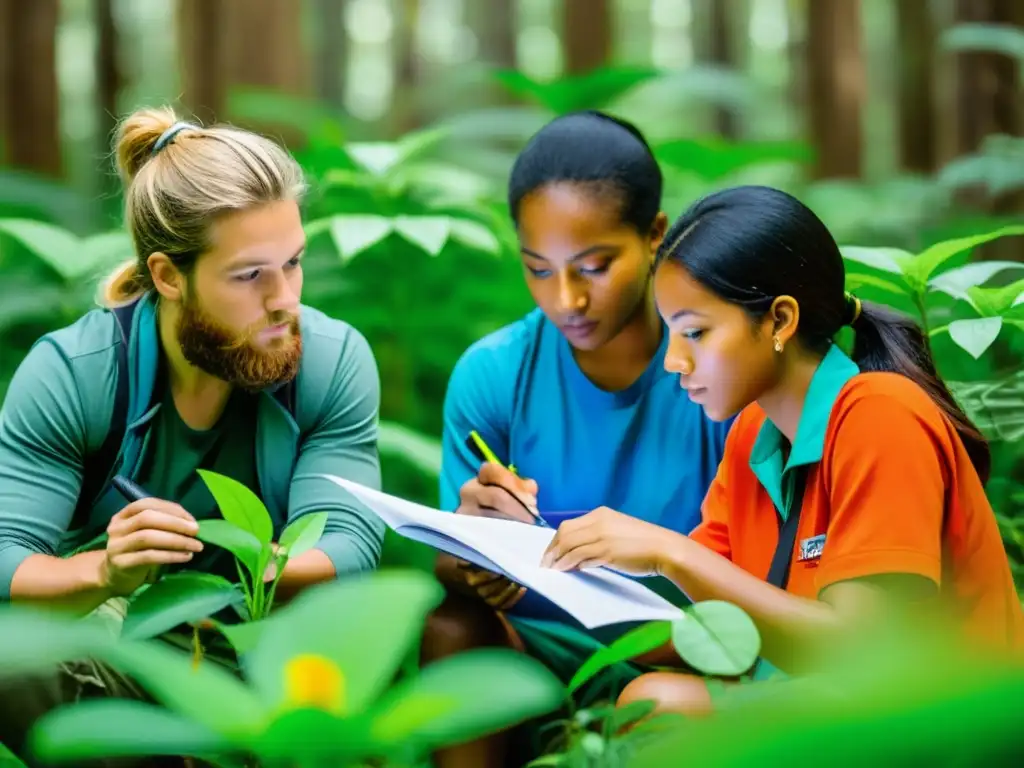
610,538
494,492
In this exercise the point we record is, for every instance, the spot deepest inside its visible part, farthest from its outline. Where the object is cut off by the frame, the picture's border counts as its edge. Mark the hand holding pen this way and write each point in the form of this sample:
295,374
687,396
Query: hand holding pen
497,491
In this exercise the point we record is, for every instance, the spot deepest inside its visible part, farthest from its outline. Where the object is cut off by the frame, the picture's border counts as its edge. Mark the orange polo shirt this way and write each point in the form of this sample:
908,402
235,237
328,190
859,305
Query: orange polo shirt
890,489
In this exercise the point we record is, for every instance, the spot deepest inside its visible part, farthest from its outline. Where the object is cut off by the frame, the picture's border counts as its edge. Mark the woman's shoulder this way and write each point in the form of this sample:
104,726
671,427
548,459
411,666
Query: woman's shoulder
503,349
885,391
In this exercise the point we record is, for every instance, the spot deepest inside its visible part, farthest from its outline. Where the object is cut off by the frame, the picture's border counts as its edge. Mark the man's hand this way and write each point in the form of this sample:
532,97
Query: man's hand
493,493
144,535
497,591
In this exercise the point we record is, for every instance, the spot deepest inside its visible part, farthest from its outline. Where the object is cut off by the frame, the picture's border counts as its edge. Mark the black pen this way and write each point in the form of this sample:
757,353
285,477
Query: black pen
130,490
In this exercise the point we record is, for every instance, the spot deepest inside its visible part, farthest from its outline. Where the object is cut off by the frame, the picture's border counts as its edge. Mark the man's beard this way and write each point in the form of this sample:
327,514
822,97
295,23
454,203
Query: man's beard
234,357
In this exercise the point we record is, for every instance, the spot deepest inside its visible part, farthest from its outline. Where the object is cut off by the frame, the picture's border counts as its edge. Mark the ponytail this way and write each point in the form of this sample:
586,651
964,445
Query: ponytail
124,284
887,341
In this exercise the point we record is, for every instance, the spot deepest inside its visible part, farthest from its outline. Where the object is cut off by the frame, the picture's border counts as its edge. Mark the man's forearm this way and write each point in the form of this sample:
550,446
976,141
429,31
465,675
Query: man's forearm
309,568
73,584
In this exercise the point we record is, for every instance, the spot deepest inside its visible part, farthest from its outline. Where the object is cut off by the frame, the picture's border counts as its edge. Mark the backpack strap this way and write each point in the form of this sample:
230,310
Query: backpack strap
778,573
100,463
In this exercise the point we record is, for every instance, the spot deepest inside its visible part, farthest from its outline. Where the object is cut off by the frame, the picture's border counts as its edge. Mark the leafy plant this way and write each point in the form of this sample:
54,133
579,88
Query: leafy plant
320,665
713,637
247,531
916,275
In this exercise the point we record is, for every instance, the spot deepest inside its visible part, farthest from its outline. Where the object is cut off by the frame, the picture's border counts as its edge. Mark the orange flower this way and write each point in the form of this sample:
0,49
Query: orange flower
314,682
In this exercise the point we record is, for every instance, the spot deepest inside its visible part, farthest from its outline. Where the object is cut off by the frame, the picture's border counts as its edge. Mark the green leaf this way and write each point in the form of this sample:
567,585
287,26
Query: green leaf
475,235
995,302
303,534
976,335
956,282
33,641
176,599
419,449
235,540
981,37
429,233
102,252
107,728
717,638
920,269
365,624
239,505
855,282
243,637
355,233
634,643
205,693
886,259
413,711
56,247
483,690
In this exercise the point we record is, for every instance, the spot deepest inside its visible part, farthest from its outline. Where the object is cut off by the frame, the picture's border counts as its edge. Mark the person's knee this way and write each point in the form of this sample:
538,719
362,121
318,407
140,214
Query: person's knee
670,692
460,624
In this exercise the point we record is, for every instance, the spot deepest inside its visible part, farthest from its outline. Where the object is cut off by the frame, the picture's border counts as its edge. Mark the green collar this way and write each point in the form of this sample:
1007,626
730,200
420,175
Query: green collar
766,462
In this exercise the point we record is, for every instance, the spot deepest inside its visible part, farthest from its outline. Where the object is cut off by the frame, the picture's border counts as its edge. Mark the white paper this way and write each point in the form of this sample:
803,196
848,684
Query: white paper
595,597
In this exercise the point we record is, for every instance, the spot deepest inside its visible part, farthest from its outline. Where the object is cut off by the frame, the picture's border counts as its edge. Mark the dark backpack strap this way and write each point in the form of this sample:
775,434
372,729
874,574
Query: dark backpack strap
778,573
100,463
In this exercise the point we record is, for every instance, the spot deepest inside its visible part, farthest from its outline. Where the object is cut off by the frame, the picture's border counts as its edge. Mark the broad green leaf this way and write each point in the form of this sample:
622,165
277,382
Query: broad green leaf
634,643
356,232
885,259
56,247
956,282
483,690
205,693
593,90
429,233
235,540
981,37
995,302
103,251
239,505
475,235
107,728
713,157
8,759
377,157
417,448
411,712
33,641
175,599
975,335
303,534
364,624
244,636
855,282
717,638
311,737
921,268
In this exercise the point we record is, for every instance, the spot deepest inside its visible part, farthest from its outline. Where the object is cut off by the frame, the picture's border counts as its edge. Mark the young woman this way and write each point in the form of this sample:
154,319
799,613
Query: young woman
574,394
751,284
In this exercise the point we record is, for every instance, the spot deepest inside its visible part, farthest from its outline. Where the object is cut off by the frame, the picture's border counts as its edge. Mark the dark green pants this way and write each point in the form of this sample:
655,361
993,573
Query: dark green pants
25,699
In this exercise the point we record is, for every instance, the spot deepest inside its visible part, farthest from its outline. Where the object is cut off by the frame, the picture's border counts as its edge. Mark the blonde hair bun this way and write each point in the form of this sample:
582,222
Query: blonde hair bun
137,136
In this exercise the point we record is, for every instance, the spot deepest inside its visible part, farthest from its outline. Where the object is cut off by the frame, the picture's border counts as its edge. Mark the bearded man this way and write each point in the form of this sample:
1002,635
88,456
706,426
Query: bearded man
219,367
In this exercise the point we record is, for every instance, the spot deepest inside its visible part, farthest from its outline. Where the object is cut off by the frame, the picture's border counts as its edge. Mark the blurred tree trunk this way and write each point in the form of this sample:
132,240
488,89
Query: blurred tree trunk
496,26
988,101
714,43
109,82
29,110
918,118
406,109
835,86
227,43
332,55
586,34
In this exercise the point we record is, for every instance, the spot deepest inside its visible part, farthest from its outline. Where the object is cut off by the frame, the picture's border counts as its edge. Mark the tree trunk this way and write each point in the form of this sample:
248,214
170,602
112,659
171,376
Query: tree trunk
29,112
836,86
332,52
715,45
109,82
226,43
586,34
918,118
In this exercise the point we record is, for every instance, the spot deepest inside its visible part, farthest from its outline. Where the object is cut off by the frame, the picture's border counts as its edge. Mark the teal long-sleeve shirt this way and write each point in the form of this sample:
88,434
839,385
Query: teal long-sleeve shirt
56,411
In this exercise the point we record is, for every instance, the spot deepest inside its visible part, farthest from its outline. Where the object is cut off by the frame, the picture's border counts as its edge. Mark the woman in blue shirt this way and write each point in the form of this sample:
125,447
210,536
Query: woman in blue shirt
574,394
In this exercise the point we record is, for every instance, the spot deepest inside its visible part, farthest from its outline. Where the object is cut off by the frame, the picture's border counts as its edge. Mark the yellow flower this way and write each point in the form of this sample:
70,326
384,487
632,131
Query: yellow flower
314,682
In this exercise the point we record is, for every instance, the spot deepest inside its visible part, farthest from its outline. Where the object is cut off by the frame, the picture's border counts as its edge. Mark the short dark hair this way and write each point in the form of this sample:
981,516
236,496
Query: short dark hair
594,149
751,244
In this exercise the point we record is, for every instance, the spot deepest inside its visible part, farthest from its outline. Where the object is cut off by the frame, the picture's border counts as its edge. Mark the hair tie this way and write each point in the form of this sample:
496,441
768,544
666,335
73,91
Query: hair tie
853,307
167,136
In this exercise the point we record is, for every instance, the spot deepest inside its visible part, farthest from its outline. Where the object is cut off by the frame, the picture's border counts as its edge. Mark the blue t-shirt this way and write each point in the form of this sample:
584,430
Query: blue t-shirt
647,450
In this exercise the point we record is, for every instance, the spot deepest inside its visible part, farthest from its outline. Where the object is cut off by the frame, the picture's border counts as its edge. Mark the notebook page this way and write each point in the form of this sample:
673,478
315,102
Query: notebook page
595,597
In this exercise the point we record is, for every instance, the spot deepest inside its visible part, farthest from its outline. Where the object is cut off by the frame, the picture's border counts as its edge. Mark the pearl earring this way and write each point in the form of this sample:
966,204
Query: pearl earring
777,344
